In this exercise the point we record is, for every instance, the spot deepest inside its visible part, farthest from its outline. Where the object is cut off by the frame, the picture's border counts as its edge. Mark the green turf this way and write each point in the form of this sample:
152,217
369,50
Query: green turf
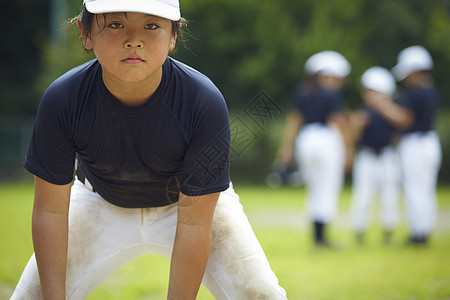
371,271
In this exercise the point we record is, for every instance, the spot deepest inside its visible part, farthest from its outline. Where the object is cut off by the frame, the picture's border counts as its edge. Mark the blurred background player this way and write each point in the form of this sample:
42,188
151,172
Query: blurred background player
419,148
317,137
375,168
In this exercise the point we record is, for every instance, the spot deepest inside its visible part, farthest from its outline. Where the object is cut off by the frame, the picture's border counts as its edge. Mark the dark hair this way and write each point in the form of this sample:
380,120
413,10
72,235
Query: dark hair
87,18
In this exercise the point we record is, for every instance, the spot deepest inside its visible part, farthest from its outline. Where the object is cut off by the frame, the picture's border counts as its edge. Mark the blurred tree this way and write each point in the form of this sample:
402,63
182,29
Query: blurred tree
65,52
24,32
246,46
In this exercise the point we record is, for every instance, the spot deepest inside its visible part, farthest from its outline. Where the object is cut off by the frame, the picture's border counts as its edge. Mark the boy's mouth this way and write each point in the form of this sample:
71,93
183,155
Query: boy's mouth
133,60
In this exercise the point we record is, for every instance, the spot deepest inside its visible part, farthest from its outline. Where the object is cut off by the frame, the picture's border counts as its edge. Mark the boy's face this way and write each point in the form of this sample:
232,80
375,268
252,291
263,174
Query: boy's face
374,97
330,82
131,47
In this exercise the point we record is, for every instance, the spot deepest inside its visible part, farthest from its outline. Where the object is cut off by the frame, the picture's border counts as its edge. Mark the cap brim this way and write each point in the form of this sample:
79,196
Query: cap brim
150,7
400,72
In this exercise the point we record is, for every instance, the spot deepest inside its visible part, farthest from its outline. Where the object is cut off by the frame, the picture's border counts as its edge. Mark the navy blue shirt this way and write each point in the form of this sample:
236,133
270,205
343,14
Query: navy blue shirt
317,105
378,133
423,102
143,156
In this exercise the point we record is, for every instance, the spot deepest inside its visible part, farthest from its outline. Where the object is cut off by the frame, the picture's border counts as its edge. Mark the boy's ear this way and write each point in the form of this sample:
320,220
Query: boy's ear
87,42
173,42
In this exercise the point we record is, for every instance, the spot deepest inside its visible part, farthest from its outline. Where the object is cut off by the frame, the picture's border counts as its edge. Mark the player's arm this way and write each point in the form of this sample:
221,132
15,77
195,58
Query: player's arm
358,121
294,121
50,231
340,121
395,114
192,245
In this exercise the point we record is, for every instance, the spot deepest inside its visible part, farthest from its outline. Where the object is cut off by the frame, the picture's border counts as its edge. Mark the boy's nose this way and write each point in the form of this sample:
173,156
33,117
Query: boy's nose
134,43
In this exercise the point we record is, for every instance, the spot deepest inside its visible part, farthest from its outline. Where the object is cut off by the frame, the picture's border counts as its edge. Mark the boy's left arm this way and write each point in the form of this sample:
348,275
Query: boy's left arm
192,245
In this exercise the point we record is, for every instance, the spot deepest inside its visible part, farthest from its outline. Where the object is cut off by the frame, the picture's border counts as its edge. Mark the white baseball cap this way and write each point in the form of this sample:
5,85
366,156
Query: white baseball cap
379,79
412,59
328,63
168,9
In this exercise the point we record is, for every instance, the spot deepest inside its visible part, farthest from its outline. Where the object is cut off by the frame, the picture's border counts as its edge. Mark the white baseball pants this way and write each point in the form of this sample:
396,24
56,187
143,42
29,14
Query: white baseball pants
375,175
420,155
103,237
320,155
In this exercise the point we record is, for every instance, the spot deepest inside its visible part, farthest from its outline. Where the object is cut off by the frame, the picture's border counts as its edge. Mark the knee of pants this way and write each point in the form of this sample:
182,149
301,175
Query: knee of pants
223,288
237,266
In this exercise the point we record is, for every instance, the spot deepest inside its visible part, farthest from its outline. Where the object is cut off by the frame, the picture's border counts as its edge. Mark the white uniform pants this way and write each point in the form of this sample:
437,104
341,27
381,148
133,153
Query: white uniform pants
421,156
320,155
102,237
375,175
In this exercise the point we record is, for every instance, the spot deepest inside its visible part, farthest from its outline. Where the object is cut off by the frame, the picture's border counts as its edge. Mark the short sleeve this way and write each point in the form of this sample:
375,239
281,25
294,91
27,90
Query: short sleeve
51,154
206,162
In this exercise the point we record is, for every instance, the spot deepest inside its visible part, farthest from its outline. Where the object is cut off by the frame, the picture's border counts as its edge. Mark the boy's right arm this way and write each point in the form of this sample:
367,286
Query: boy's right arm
400,117
50,236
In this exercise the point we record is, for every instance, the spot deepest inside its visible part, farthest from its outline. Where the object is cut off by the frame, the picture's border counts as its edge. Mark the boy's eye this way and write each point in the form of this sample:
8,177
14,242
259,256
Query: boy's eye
151,26
115,25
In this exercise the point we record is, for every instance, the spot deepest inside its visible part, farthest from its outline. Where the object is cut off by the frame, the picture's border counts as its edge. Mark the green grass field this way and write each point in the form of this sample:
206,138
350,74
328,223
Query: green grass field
371,271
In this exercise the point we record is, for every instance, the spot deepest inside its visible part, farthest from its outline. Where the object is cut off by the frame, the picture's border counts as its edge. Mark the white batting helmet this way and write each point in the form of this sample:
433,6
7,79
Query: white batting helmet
328,63
412,59
379,79
169,9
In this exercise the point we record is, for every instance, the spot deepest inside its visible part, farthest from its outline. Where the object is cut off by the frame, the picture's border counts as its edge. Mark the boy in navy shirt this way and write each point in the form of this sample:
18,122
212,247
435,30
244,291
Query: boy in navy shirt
151,137
376,164
419,148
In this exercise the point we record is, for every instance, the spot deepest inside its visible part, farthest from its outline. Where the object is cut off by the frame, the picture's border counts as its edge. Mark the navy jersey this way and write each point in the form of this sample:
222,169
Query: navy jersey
423,102
316,106
378,133
178,140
